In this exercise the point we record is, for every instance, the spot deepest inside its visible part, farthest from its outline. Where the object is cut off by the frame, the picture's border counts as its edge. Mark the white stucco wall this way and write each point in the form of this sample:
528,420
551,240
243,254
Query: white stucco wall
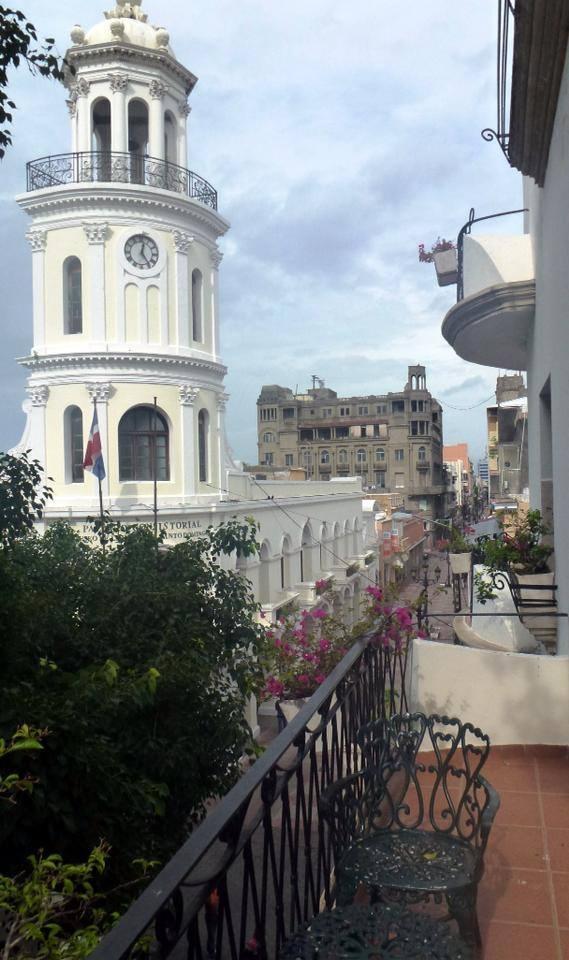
490,260
513,697
549,347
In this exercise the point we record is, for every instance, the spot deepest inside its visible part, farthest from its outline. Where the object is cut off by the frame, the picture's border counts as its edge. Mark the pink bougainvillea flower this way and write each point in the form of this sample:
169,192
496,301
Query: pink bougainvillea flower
403,617
319,614
320,678
274,687
422,634
303,678
374,592
324,644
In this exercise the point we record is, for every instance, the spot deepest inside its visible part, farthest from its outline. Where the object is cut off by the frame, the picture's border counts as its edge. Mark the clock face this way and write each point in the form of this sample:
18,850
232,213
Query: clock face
141,251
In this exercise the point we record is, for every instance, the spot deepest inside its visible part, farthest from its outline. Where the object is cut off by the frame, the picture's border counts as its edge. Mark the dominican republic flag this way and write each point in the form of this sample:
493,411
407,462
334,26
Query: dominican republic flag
93,454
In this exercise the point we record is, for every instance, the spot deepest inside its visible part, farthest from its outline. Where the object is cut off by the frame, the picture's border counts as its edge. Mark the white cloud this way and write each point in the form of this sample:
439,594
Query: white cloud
339,137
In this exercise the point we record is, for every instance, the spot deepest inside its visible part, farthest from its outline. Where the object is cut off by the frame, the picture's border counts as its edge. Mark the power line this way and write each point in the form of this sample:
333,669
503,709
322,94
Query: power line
474,405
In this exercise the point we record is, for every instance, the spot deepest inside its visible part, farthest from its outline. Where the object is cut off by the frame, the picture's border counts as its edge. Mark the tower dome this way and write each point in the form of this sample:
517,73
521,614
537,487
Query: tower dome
127,24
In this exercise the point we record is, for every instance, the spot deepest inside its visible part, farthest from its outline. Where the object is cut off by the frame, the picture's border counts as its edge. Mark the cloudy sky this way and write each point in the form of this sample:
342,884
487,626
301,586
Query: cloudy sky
339,136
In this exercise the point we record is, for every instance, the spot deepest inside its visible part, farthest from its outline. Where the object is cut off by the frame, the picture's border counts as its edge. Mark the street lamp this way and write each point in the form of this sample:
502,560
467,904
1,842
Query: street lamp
423,608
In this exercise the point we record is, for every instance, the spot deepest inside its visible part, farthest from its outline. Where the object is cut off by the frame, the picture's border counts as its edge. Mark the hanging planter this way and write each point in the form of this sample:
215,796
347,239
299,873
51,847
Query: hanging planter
443,255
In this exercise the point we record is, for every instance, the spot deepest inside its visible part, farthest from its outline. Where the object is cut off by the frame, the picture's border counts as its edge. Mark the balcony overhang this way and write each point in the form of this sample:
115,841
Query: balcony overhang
493,327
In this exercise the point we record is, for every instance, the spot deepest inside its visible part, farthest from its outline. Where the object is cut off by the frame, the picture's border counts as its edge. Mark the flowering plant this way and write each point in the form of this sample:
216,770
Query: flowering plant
439,247
442,545
321,586
305,649
392,625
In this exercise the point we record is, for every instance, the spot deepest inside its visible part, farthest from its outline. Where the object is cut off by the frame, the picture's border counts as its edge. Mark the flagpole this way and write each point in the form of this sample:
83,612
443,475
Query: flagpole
100,482
155,473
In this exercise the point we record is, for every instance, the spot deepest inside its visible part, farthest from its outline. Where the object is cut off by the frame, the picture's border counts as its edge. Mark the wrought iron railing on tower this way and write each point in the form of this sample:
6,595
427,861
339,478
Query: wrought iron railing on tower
506,15
260,865
464,231
113,167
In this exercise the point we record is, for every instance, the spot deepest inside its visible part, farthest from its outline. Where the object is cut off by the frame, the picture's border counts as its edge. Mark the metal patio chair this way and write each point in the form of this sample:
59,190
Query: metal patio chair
413,824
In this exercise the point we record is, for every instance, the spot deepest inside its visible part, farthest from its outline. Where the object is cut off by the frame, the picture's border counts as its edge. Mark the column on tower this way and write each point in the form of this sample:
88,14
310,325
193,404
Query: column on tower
188,396
38,396
182,243
221,402
119,138
96,234
184,111
38,241
216,258
81,89
157,91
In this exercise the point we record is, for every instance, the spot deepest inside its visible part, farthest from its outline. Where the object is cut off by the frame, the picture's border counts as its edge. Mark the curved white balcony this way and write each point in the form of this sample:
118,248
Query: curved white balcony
491,324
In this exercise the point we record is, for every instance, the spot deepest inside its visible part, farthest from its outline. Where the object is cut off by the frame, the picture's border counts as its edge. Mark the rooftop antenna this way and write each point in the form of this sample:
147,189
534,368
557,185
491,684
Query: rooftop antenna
314,379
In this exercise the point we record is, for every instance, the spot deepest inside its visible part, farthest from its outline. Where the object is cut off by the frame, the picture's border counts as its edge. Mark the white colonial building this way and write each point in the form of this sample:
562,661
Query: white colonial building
124,241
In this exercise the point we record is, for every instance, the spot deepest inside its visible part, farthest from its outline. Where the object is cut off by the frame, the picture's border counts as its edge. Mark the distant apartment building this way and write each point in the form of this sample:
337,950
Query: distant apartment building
459,468
508,438
392,441
482,472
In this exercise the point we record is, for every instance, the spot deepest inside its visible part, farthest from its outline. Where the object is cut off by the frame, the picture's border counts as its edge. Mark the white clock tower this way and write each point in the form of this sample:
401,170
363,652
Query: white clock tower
125,269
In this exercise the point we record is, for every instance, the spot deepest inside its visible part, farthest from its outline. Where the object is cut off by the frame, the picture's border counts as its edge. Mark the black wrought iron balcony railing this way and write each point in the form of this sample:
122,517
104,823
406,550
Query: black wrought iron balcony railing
260,864
465,231
506,22
114,167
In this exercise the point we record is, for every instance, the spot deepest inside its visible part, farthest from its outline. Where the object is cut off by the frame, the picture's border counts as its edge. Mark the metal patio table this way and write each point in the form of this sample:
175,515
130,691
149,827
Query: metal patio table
381,930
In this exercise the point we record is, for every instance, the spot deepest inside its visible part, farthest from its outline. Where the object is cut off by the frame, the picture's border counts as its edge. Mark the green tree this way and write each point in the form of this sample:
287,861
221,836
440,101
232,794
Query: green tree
139,664
19,44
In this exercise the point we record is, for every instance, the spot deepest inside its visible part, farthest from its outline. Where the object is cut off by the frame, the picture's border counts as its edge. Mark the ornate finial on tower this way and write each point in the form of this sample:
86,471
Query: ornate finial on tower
130,10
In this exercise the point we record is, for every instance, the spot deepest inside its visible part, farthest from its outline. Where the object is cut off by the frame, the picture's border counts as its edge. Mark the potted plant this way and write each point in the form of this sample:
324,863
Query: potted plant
521,553
323,585
443,255
305,648
460,552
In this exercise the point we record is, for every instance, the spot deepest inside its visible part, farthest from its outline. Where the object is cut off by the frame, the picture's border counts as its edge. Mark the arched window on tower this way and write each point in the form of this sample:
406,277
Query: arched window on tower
143,445
170,139
73,441
137,139
422,454
72,296
101,126
203,445
197,326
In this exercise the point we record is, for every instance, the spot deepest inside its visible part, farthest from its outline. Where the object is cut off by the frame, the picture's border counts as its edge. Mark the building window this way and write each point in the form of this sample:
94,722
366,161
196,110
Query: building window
268,461
327,411
380,479
380,453
398,406
342,456
203,445
344,411
143,445
289,413
268,413
417,406
414,428
268,438
72,296
363,411
289,459
197,296
73,439
399,481
422,454
381,408
361,455
435,417
399,454
324,456
306,457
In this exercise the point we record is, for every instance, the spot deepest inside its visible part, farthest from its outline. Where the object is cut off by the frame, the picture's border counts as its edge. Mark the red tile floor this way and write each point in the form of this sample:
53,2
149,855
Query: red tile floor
523,902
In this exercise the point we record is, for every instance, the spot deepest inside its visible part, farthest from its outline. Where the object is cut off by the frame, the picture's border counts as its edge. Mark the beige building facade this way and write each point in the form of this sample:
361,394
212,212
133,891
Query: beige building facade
392,441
